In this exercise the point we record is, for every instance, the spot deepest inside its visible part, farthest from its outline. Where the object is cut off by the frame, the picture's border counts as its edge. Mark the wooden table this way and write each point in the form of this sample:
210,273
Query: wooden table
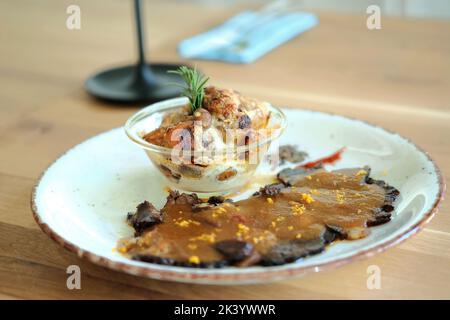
397,77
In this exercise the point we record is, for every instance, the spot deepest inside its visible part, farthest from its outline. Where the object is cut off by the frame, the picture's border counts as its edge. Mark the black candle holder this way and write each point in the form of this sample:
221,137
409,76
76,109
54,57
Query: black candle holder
141,82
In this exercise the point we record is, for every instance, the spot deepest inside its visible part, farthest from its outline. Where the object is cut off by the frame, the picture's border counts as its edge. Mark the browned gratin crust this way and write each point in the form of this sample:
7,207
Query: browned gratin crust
223,111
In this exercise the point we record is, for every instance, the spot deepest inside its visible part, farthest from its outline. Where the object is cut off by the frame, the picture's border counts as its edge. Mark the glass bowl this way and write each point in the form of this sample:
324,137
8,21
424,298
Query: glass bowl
219,171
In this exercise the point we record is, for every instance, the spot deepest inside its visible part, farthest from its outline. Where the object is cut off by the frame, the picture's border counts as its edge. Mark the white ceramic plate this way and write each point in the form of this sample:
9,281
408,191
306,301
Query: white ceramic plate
82,199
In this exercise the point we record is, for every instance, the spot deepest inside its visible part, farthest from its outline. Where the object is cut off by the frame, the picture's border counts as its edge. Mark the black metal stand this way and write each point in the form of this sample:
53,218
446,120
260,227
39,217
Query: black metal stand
135,83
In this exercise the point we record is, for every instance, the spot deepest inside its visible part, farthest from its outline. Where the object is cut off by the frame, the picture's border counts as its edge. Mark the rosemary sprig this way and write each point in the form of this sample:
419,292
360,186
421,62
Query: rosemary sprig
193,87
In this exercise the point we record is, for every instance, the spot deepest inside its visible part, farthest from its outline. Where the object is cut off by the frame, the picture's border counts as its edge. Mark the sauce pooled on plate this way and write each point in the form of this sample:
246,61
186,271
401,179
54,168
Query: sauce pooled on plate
281,223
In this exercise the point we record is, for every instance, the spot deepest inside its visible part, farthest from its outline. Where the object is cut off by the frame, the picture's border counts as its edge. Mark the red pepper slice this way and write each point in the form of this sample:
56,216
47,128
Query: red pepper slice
325,160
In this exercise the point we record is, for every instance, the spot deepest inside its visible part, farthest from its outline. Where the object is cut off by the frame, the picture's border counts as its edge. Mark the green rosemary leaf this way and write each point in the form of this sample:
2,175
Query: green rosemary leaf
194,85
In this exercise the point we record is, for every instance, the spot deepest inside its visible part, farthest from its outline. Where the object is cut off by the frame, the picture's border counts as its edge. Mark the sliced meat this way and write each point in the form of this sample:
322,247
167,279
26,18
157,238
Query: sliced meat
291,251
145,217
234,250
282,223
173,262
290,153
291,176
382,214
271,189
216,200
184,198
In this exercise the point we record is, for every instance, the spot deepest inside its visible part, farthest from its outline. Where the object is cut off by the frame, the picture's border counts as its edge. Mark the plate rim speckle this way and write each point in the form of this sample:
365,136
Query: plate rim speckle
265,274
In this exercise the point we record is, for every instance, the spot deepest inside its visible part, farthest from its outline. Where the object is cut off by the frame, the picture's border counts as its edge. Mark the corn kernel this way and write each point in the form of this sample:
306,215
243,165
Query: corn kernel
211,238
123,250
307,198
194,260
182,223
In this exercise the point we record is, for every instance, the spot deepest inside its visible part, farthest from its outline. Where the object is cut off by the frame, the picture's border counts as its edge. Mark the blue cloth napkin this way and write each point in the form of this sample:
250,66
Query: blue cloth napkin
251,44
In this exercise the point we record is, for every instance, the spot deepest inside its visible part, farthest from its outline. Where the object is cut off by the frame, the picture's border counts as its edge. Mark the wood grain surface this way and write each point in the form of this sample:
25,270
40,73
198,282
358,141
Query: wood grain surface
397,77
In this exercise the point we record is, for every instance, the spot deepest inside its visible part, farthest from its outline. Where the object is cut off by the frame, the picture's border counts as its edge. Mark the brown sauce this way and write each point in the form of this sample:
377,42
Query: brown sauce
279,224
